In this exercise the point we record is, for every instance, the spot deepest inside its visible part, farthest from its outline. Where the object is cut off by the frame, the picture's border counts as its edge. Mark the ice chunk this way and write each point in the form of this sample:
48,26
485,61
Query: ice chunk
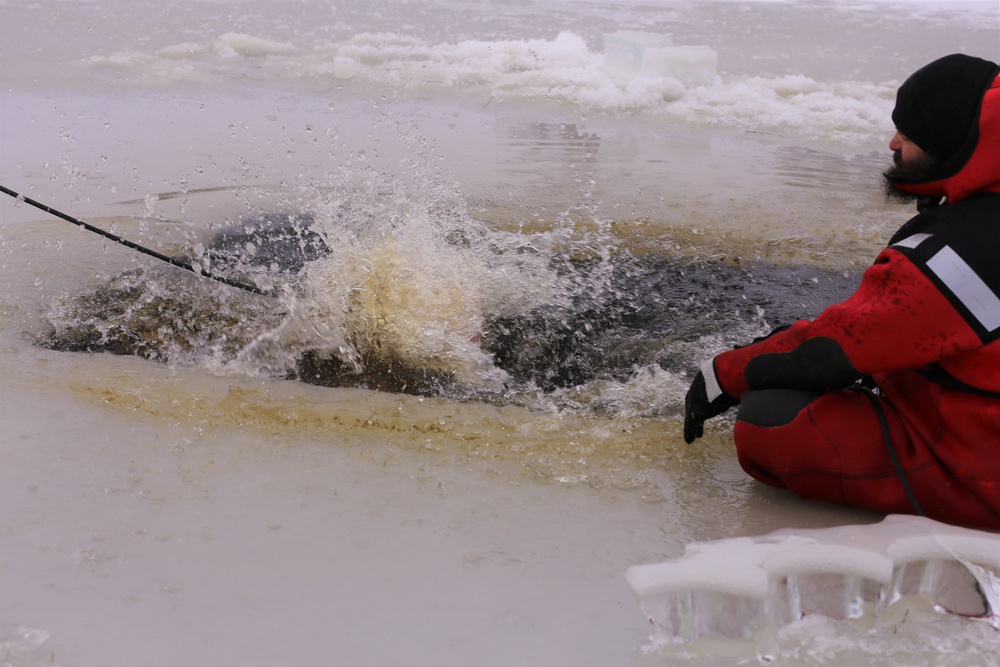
630,54
625,50
234,44
746,588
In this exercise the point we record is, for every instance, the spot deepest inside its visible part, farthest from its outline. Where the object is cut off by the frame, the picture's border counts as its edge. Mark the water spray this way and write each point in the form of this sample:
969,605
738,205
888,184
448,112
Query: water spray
174,261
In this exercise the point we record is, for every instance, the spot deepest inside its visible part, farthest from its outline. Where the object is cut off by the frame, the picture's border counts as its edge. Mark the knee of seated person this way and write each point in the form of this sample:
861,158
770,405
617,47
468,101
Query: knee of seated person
769,408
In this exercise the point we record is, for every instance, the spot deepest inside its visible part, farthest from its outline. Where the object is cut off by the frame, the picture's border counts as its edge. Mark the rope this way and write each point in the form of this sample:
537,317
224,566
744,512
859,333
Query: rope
174,261
887,438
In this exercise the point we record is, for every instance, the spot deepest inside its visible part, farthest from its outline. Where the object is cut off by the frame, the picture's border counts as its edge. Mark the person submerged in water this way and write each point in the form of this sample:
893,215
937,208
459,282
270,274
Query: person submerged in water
890,400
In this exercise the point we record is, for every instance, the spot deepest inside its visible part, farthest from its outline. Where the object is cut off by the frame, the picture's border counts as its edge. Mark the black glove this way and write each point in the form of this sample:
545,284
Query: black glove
697,408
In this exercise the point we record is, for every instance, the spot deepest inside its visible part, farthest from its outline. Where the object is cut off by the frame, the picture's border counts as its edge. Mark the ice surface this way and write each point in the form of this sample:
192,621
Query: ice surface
155,517
746,588
20,647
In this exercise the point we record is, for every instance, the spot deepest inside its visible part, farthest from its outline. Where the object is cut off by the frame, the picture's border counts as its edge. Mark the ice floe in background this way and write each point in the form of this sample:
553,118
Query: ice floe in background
741,591
631,72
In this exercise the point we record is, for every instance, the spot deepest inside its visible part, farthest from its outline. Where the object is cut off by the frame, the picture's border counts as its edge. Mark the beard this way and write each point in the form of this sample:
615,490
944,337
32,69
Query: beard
916,170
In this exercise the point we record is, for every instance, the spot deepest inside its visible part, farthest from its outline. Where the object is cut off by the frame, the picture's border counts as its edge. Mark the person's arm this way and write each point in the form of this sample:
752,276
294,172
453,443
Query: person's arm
898,318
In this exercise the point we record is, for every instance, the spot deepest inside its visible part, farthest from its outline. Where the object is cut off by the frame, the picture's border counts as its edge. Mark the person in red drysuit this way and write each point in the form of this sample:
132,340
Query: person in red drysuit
890,401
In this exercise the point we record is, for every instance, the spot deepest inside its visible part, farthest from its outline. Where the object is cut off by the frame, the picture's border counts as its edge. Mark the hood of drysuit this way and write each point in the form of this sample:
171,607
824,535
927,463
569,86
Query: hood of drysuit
972,160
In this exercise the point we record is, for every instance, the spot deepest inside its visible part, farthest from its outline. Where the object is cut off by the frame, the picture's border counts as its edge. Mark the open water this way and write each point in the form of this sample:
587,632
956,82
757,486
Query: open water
495,240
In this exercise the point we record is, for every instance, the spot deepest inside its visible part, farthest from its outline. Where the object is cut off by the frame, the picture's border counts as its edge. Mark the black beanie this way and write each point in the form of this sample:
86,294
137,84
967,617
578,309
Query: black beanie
937,105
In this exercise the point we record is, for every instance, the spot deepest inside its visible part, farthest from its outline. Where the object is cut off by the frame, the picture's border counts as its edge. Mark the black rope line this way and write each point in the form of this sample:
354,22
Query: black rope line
883,422
173,261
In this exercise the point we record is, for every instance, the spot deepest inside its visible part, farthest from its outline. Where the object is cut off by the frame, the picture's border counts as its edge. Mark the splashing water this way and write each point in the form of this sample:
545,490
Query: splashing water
390,283
410,277
407,279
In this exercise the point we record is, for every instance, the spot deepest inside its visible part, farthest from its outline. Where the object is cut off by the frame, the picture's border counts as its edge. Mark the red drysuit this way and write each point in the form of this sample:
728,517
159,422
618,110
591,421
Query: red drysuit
924,330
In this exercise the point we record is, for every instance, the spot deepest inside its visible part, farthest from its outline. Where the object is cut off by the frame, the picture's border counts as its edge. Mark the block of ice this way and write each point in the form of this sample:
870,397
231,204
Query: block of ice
631,54
625,50
745,588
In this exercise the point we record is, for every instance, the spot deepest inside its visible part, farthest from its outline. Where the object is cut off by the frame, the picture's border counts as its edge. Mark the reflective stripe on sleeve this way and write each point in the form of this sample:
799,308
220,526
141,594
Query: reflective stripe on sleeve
967,287
712,388
913,241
